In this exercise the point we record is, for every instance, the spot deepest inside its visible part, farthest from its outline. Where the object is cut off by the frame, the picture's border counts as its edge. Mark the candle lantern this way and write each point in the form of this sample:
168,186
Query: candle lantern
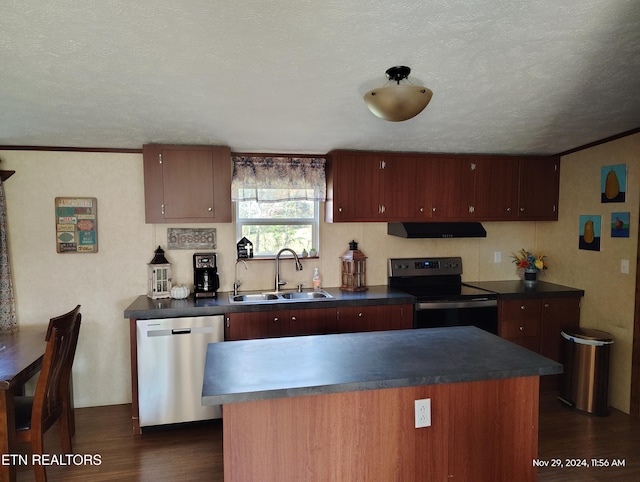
159,276
354,269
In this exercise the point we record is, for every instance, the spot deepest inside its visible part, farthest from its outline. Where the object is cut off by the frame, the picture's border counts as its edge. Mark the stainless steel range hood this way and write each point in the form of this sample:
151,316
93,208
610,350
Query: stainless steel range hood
437,230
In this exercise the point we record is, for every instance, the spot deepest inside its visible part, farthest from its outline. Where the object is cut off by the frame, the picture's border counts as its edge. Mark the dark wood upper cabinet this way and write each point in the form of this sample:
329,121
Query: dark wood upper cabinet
408,187
495,188
452,186
187,184
349,180
370,186
539,188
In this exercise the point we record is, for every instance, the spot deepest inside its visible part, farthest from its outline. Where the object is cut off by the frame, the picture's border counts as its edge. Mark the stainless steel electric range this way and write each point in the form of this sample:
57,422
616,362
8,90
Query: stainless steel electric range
442,298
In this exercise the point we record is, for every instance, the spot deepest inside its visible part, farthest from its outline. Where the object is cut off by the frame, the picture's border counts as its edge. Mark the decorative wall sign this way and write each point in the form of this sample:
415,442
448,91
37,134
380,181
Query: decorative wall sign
590,230
191,238
613,184
620,225
76,224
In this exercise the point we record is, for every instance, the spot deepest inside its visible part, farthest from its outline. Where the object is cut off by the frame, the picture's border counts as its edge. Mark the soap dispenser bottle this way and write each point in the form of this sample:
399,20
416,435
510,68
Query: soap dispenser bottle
316,280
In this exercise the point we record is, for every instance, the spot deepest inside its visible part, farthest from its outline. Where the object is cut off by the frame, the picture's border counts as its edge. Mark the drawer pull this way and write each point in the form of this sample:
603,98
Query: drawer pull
522,307
522,328
293,318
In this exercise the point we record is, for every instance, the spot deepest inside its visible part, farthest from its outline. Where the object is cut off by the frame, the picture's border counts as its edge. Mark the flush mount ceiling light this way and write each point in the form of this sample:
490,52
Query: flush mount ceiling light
398,102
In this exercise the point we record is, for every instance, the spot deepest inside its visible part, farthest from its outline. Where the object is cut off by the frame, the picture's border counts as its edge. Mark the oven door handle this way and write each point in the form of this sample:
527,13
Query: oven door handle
474,303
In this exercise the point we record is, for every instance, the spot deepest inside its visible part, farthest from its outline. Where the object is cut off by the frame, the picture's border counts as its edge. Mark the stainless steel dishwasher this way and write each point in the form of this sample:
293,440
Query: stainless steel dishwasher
171,357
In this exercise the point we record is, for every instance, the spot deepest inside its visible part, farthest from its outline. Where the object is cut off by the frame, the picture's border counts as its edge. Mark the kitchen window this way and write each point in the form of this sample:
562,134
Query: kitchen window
278,202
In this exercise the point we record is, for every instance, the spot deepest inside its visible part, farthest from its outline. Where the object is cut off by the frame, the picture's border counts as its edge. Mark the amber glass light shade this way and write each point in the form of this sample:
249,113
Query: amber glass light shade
400,101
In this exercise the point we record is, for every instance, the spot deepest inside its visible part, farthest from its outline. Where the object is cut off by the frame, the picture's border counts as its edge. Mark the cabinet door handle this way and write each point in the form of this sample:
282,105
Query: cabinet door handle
546,305
339,210
421,210
522,328
521,210
360,314
275,319
433,210
293,318
523,307
210,209
508,210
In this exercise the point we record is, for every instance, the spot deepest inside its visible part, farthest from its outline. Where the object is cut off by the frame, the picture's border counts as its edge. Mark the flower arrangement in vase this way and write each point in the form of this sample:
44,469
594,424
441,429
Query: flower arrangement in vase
530,263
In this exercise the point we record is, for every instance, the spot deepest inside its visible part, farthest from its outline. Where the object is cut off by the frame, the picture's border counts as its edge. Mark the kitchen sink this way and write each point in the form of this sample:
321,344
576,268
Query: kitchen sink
250,298
307,295
272,297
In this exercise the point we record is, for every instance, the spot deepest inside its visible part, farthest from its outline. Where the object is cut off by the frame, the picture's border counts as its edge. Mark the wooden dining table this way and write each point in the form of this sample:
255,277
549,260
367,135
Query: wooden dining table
21,357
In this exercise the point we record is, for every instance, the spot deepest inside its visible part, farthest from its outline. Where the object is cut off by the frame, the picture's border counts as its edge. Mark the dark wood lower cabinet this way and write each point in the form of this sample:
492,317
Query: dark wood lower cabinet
536,324
317,321
259,324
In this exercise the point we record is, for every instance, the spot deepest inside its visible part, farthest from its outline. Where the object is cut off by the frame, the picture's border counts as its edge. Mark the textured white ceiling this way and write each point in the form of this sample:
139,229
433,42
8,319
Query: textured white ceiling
530,76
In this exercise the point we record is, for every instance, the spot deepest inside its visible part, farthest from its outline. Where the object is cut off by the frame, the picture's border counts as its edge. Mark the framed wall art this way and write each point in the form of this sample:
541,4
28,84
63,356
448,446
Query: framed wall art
613,184
620,225
590,232
191,238
76,224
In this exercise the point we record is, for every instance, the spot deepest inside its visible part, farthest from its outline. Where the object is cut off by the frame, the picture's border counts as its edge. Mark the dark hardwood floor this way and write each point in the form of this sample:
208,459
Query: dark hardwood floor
191,452
194,452
567,435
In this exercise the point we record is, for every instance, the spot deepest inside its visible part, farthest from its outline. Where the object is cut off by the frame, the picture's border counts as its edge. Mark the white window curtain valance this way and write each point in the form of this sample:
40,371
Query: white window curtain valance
271,179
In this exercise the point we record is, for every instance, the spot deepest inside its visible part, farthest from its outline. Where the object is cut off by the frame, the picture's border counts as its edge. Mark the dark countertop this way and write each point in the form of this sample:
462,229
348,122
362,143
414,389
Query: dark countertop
513,289
146,308
239,371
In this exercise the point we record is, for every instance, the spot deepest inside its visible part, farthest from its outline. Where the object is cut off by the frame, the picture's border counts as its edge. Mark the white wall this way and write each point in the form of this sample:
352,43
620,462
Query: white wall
47,283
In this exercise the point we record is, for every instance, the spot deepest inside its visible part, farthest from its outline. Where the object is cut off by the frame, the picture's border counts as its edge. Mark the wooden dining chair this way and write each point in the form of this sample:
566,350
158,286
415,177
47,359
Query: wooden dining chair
50,402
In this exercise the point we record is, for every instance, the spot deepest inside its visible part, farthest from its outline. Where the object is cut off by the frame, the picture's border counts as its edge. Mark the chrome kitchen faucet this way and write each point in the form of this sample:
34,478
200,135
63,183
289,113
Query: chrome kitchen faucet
279,283
236,282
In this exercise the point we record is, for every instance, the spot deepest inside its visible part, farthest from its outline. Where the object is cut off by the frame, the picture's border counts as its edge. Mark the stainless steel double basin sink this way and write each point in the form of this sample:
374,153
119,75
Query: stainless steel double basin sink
280,296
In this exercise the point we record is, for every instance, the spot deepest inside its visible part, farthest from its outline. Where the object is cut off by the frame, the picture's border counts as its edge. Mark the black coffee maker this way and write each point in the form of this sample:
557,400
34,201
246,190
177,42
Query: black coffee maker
205,275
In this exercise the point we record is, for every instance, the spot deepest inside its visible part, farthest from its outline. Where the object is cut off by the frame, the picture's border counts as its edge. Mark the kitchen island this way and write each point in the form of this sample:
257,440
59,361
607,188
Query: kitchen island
342,407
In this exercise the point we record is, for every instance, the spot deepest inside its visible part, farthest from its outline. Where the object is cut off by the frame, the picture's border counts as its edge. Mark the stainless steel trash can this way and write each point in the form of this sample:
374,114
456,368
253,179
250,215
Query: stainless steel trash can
586,370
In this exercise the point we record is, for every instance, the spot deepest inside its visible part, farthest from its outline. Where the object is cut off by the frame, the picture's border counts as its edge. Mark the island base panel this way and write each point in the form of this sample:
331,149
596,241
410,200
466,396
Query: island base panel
488,429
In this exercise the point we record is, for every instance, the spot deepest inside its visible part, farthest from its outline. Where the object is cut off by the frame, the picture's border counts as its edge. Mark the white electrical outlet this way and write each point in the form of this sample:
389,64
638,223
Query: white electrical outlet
497,256
423,413
624,266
